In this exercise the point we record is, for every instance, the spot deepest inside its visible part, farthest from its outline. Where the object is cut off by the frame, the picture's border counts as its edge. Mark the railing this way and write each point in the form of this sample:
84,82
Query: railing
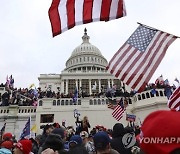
69,102
148,94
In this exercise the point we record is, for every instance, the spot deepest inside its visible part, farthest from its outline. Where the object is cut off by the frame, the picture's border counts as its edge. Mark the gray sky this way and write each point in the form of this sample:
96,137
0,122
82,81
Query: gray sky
28,49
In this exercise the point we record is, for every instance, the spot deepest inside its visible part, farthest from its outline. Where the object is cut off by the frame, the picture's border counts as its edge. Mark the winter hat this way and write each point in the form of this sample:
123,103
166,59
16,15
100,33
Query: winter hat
76,139
24,145
101,140
60,131
53,141
7,144
160,132
7,136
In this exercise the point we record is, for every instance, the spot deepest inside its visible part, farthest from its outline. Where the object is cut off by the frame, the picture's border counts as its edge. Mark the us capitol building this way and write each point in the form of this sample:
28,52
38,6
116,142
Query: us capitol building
85,71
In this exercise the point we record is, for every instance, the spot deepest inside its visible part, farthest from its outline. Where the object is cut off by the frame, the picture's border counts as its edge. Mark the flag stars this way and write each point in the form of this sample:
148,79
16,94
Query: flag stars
141,38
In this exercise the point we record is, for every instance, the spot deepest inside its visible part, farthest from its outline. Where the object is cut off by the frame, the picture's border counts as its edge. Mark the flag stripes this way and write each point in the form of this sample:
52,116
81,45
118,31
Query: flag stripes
65,14
118,112
135,67
174,99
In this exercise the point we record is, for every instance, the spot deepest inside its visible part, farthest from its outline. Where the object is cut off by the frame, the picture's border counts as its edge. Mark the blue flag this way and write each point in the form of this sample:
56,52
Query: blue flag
75,96
26,131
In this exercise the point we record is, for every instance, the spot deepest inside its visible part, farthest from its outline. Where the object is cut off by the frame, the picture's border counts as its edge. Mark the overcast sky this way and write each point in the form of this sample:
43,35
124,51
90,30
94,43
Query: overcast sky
28,49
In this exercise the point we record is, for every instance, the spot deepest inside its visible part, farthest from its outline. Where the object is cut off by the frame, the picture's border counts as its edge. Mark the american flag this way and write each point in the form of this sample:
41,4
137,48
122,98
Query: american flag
65,14
136,61
174,99
119,110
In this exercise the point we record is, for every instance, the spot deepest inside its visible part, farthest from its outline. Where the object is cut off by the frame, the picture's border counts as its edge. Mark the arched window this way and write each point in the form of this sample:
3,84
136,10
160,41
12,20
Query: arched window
58,102
79,102
62,102
143,96
40,103
95,102
147,95
54,102
90,102
99,102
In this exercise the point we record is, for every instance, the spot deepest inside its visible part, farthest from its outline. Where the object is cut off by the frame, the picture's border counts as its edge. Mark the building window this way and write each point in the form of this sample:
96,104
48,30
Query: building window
147,95
95,102
99,102
90,102
62,102
54,102
40,103
143,96
67,102
58,102
47,118
79,102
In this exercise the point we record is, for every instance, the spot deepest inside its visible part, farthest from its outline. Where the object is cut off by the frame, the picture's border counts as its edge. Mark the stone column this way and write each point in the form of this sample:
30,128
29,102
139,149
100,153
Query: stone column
109,83
112,82
90,89
66,86
62,86
80,83
99,85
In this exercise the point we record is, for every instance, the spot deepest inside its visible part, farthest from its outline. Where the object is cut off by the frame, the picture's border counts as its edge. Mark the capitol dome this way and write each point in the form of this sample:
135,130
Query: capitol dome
86,57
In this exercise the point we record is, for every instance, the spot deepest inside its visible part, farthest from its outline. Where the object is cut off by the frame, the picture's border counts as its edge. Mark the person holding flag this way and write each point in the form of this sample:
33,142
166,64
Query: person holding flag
2,130
75,96
26,133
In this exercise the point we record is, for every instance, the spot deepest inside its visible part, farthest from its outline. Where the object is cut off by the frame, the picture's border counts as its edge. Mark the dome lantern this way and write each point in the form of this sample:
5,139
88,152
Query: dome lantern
85,37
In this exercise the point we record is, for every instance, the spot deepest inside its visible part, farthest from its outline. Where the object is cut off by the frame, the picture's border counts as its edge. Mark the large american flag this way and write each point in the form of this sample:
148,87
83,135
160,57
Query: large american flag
174,99
65,14
119,110
136,61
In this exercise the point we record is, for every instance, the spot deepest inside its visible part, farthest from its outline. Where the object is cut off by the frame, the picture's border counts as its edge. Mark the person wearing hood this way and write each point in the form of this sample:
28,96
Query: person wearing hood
117,135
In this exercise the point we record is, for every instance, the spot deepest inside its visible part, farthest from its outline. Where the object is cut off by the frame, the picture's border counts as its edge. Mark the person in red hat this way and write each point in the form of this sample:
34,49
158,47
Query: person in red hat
7,144
6,147
23,147
7,136
160,133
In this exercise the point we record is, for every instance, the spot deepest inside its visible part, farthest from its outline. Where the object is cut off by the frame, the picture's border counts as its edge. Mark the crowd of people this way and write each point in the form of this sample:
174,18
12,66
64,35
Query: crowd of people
132,139
30,96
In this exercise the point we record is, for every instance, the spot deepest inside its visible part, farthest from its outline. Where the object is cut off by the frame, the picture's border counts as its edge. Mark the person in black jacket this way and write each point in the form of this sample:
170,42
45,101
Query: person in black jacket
117,135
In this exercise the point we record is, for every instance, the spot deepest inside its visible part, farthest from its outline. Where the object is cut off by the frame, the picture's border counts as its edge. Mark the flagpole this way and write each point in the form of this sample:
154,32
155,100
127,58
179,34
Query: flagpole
149,27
